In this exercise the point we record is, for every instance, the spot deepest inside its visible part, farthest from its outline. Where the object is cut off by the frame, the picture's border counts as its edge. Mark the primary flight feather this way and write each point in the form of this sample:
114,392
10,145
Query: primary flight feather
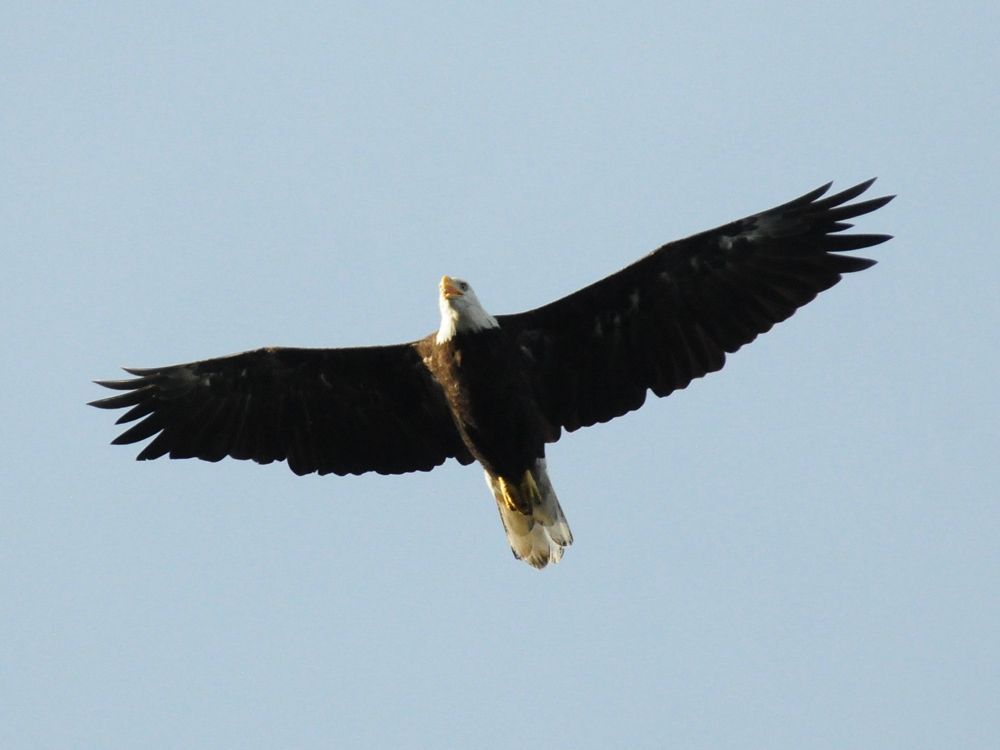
497,389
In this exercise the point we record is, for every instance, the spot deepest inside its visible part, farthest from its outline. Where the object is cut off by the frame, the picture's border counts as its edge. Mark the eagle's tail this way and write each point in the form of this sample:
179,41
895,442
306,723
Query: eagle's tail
535,525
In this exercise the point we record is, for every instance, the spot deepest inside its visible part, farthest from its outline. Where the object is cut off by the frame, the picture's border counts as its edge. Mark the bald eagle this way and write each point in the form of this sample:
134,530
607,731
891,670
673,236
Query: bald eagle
496,389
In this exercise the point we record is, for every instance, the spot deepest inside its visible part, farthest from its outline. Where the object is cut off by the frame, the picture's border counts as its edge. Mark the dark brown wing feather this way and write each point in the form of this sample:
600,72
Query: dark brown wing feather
673,315
345,411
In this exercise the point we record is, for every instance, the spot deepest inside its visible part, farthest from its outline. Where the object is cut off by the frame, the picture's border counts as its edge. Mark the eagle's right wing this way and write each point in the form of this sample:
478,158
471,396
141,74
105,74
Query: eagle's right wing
673,315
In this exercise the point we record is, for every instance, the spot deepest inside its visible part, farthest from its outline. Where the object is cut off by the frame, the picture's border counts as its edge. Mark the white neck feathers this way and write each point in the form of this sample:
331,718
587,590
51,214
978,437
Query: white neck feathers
462,315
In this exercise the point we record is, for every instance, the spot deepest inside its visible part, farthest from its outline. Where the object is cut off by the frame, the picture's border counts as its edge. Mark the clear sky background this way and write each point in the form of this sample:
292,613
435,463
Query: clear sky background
802,551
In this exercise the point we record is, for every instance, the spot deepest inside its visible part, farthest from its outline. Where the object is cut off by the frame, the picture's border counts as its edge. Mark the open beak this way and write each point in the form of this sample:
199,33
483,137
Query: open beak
448,289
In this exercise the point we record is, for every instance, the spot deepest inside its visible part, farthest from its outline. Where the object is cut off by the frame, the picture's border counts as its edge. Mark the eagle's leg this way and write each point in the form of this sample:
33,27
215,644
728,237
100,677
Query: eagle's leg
530,496
521,497
508,492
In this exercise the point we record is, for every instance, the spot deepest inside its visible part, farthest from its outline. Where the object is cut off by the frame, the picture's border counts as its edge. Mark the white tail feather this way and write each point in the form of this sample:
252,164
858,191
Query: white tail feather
539,538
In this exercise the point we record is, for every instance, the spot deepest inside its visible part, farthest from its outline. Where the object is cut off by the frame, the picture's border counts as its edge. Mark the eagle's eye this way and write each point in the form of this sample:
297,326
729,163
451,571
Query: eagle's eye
463,286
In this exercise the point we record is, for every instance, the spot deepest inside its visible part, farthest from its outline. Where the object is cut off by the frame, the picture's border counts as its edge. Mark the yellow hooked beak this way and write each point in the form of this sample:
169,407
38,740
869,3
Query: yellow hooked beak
448,288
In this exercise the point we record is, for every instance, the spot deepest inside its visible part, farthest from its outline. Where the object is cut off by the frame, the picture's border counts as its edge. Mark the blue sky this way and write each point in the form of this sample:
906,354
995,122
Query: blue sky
801,551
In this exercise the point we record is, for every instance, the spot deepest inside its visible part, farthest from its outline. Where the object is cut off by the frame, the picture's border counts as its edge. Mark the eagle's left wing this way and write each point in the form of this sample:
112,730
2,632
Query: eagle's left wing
673,315
345,411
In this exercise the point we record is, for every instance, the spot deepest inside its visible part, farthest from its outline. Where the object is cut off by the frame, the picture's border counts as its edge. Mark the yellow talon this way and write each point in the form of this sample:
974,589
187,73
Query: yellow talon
530,489
521,498
509,494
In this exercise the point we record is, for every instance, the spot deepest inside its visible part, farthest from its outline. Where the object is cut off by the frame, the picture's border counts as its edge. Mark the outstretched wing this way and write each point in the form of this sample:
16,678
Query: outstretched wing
673,315
345,411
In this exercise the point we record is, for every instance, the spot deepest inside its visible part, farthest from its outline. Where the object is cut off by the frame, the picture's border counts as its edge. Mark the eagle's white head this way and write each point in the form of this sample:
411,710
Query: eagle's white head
460,310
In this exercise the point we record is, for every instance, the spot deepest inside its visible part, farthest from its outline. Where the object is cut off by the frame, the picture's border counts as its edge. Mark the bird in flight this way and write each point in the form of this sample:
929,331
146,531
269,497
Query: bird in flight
497,389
